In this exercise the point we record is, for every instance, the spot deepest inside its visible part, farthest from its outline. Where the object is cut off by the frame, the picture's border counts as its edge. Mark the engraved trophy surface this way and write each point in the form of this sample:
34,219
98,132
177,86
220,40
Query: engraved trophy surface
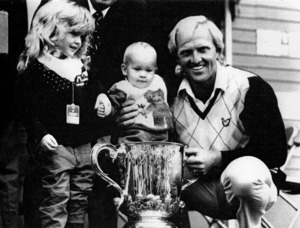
149,180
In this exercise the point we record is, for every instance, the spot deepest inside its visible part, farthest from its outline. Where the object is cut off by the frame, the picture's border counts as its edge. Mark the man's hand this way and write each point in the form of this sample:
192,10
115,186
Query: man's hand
128,113
202,161
49,142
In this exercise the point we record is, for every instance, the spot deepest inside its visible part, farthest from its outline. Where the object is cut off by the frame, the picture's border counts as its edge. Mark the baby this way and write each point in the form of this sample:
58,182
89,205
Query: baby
149,92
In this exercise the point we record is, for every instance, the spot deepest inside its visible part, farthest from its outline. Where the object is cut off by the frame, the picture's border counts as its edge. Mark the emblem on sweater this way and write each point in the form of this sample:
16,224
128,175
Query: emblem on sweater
225,122
161,113
81,80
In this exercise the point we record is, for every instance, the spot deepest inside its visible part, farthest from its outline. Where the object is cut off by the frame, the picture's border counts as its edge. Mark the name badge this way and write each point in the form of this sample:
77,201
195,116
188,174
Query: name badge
72,113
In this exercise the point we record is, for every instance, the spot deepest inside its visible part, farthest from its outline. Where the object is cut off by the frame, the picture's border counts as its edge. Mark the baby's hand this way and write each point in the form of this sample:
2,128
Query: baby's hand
49,142
103,105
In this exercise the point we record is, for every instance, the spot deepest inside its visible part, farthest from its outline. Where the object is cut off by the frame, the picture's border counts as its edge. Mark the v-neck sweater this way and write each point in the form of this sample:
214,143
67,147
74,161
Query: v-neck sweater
240,118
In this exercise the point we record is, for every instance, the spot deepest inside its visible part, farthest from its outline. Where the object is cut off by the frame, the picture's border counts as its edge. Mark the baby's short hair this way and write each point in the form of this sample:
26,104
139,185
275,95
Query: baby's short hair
188,25
134,47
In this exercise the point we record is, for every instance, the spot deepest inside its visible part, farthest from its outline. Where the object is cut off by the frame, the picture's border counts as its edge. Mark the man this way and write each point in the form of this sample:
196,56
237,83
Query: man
230,121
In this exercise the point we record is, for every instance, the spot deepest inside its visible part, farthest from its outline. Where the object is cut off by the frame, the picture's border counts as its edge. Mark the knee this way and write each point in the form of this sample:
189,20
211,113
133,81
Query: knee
247,177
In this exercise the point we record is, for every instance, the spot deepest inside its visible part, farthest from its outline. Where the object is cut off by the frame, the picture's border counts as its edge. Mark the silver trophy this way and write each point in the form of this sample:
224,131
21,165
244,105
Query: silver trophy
149,179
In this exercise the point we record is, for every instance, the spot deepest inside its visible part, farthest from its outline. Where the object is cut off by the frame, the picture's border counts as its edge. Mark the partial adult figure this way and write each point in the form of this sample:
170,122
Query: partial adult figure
13,153
119,23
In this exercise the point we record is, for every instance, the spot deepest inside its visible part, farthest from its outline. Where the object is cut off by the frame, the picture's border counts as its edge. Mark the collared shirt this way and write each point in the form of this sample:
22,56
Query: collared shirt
93,10
220,83
219,126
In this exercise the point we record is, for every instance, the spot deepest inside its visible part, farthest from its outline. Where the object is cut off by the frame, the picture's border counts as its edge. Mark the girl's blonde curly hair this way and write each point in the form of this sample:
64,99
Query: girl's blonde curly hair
51,22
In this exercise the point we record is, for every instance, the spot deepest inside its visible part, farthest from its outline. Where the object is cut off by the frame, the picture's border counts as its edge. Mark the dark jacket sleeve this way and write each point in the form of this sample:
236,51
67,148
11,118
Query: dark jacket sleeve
263,123
36,130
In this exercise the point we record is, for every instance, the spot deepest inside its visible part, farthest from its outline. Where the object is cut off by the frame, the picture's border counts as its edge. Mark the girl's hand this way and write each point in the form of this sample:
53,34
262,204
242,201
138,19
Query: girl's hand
128,113
101,110
49,142
103,105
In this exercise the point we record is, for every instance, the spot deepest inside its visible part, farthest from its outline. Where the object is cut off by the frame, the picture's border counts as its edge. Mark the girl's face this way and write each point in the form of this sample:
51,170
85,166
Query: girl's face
69,44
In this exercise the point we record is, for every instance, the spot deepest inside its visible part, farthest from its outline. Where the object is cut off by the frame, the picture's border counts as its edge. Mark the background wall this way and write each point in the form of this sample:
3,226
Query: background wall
266,41
282,71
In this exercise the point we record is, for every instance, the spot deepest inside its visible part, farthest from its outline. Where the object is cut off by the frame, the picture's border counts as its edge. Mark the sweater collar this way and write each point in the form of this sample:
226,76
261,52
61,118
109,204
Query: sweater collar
93,10
220,83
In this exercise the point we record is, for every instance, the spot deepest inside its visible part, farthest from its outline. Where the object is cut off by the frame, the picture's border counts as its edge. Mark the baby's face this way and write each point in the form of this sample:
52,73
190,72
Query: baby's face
140,69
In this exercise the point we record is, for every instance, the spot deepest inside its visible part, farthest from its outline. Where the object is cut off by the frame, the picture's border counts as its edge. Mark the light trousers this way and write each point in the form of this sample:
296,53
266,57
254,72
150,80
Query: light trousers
67,179
244,191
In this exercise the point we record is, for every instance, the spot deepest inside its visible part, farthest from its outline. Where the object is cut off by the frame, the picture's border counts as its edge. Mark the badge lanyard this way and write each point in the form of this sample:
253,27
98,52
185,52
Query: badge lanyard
72,110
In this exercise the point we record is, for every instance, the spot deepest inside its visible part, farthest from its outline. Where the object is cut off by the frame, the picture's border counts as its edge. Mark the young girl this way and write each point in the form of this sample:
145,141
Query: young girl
60,118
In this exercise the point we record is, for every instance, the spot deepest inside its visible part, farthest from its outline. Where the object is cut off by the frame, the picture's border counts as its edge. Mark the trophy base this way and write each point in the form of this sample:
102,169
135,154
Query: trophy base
152,223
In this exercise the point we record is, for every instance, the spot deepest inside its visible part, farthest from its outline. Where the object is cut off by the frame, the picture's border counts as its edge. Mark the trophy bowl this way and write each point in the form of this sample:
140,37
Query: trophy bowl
149,178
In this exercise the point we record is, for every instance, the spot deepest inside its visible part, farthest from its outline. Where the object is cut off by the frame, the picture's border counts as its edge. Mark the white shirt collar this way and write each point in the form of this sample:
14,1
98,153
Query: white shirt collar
67,68
220,83
93,10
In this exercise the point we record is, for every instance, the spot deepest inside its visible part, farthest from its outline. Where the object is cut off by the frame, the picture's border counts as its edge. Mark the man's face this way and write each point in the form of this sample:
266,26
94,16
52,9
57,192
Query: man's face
102,4
197,55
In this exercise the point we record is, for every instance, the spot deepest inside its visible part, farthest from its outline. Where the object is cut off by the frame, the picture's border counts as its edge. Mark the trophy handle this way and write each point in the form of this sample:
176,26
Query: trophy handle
113,152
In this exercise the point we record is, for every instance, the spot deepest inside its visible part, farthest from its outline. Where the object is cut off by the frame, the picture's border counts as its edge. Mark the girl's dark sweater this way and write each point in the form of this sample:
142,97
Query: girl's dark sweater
46,97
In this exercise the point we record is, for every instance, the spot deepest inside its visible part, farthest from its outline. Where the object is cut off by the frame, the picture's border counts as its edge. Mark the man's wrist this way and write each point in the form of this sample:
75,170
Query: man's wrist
218,159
